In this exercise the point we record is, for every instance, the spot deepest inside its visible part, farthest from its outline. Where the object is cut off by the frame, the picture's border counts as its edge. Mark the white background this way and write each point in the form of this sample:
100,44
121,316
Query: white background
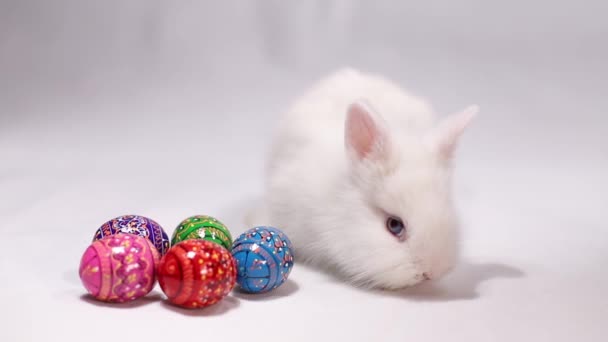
165,109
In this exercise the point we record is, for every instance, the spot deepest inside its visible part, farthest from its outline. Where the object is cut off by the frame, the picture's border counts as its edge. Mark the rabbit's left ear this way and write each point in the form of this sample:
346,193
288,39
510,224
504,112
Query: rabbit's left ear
444,138
366,135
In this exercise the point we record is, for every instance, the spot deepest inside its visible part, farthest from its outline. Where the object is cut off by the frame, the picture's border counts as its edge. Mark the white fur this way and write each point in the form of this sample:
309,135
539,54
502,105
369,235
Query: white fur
333,203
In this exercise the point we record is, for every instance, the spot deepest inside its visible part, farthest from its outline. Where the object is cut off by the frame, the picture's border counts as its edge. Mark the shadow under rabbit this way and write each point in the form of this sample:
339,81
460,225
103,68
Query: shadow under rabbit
460,284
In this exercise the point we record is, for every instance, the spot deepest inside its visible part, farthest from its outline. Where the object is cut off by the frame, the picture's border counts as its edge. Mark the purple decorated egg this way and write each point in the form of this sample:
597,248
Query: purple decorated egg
119,268
138,225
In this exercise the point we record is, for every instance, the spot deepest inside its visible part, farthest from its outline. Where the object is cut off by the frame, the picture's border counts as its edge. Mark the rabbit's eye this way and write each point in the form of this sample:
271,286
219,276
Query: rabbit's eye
396,227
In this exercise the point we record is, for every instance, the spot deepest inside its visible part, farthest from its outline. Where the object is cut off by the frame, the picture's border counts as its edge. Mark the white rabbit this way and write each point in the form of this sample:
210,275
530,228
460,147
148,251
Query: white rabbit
359,178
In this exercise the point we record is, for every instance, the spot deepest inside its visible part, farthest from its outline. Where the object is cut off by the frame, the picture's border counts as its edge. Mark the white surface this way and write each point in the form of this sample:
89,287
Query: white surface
166,111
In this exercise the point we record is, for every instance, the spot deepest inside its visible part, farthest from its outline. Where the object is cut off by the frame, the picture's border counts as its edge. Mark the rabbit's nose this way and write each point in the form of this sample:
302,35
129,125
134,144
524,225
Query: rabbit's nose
426,276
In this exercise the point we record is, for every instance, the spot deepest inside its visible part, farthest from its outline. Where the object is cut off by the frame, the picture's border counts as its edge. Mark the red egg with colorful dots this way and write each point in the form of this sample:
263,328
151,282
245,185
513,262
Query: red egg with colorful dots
119,268
196,273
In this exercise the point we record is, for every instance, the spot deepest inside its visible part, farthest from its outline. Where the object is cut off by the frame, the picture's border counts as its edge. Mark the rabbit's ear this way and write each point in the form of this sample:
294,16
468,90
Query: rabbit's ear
444,138
365,135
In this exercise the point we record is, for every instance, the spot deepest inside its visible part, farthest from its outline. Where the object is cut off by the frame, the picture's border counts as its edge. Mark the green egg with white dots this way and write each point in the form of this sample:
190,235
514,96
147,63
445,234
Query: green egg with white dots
203,227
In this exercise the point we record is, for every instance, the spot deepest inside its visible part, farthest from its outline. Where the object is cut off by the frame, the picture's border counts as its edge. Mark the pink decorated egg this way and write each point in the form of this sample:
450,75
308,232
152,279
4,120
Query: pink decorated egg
119,268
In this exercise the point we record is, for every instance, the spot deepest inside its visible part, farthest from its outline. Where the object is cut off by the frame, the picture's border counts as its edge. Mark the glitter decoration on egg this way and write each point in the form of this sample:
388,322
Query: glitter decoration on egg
196,273
119,268
138,225
264,258
203,227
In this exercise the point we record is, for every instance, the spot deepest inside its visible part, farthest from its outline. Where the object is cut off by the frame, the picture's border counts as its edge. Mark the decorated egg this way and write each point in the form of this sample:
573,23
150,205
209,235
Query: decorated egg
264,259
119,268
138,225
202,227
196,273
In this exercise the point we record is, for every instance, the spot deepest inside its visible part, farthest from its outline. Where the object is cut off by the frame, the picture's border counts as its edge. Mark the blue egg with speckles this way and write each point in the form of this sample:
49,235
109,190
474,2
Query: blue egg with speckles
264,258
